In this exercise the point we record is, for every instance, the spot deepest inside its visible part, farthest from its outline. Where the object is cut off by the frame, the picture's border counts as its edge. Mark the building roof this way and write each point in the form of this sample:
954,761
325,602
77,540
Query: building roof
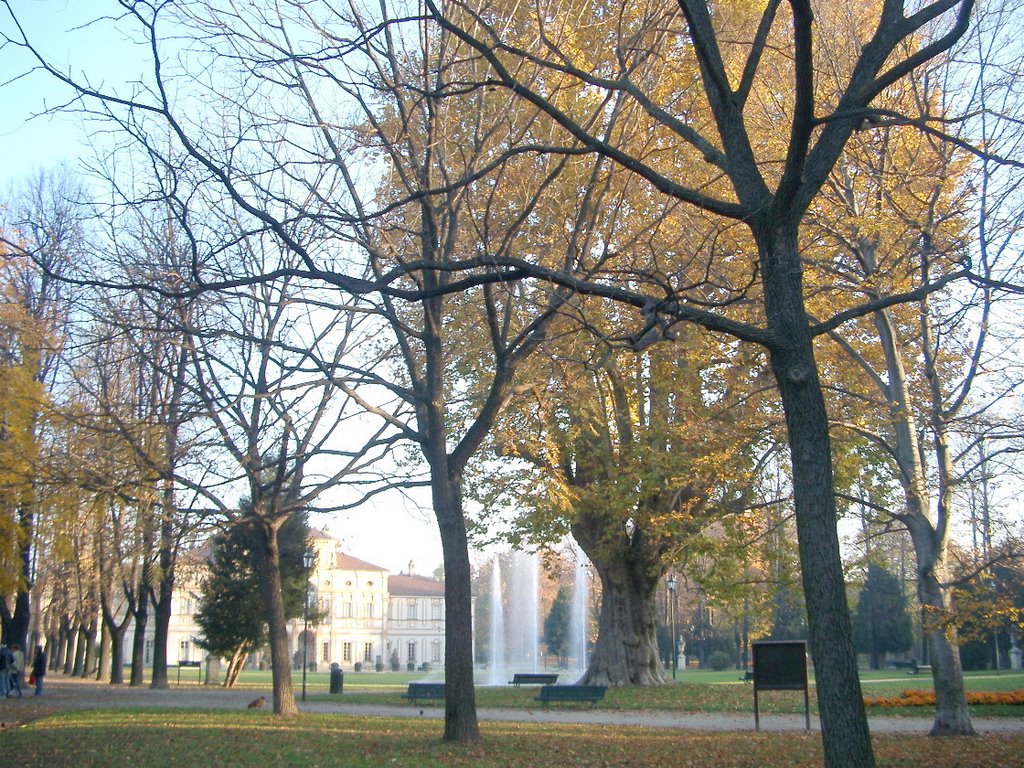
200,555
415,586
349,563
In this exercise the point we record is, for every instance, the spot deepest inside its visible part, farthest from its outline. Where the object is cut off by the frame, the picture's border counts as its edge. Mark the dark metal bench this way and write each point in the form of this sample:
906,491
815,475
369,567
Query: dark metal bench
591,693
193,665
424,691
533,678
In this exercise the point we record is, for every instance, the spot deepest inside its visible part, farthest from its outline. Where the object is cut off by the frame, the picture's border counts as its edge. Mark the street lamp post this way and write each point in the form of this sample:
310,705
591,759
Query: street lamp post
307,560
671,584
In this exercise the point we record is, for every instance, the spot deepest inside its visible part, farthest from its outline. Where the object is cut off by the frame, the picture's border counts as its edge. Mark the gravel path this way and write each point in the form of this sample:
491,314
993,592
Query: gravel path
63,693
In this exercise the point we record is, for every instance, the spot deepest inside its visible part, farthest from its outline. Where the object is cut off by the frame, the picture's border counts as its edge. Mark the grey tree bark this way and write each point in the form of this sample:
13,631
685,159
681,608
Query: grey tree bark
626,652
268,567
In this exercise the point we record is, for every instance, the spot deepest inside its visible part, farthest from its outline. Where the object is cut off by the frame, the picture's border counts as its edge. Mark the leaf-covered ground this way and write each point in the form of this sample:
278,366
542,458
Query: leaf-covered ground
169,739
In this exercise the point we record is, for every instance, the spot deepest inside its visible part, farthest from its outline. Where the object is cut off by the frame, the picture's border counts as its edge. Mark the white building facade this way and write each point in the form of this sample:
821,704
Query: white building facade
370,616
367,616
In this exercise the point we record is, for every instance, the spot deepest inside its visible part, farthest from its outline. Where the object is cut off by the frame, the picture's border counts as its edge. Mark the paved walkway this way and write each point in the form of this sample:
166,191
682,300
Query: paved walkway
63,693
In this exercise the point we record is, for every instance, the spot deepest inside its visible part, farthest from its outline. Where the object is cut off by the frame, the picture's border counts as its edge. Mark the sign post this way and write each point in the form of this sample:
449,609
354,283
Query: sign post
780,665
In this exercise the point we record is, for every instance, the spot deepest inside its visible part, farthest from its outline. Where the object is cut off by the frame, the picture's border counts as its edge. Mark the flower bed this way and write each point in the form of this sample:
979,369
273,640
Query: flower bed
924,698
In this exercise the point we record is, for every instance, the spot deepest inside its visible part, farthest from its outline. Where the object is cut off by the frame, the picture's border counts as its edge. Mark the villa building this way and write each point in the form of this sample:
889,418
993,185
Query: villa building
371,615
368,615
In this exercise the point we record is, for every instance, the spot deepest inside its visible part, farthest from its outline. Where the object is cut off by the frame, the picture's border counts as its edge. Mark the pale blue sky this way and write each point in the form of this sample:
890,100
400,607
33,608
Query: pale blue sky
390,533
61,29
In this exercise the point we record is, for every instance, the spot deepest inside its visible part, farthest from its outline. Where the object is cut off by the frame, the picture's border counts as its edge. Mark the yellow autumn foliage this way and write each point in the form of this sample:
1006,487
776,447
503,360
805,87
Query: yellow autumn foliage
21,400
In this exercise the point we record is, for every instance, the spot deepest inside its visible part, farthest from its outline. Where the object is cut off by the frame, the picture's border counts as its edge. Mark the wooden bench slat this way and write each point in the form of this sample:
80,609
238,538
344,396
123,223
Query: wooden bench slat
589,693
533,678
424,691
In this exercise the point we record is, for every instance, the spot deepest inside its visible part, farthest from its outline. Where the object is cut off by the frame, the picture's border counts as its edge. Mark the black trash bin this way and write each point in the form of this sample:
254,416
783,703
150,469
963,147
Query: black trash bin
337,678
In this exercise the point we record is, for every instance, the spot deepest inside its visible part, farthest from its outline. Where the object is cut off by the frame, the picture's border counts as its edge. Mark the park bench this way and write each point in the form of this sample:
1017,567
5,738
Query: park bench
912,667
533,678
424,691
190,665
748,676
591,693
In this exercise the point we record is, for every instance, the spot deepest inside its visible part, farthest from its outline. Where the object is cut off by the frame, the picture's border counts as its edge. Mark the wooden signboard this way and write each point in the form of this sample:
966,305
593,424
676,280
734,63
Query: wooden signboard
780,665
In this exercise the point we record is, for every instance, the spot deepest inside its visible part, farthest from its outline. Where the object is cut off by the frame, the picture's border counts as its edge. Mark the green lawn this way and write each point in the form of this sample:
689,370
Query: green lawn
172,738
695,691
169,739
872,681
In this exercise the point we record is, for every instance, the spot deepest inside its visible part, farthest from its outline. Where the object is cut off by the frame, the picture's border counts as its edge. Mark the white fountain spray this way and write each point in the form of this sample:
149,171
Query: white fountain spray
523,648
534,622
497,661
578,621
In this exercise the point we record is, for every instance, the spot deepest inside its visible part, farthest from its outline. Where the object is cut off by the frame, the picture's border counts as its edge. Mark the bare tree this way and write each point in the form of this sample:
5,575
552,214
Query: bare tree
267,362
106,418
149,411
331,94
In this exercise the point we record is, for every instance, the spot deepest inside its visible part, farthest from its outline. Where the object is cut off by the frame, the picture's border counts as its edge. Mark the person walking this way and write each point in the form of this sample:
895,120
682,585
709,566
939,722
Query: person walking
6,662
16,669
39,669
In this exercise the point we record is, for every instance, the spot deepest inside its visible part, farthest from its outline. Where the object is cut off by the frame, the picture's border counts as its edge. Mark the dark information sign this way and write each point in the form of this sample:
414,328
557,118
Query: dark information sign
780,665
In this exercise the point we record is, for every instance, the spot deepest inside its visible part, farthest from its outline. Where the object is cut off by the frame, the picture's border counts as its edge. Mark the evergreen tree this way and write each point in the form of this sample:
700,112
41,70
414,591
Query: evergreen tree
881,623
789,619
556,625
231,614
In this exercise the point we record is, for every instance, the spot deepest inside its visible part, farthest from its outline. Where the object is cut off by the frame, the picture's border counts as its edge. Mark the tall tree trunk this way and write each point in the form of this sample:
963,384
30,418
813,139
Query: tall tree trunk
460,719
81,649
63,635
161,630
626,651
952,716
138,603
846,738
117,633
73,648
235,666
103,667
20,621
268,567
141,614
164,593
627,558
52,646
89,628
